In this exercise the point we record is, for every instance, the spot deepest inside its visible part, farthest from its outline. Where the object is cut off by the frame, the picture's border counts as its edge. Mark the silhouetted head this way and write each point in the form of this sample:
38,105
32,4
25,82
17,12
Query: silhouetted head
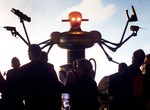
138,57
34,51
121,66
44,57
82,66
15,63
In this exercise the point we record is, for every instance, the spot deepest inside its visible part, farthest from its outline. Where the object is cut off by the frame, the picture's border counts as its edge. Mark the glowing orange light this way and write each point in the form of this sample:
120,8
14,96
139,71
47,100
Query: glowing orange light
75,19
79,19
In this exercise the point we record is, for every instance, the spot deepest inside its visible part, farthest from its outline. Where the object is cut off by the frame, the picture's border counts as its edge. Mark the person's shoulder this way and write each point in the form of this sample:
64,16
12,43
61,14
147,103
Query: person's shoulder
126,70
50,64
113,74
105,78
9,71
25,66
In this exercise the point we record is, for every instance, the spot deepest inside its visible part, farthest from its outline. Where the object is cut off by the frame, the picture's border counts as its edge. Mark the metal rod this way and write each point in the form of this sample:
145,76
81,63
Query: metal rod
22,38
124,31
25,30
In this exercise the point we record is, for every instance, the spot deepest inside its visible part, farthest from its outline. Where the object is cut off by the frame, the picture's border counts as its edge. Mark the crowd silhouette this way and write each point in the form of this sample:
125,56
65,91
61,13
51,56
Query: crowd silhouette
36,86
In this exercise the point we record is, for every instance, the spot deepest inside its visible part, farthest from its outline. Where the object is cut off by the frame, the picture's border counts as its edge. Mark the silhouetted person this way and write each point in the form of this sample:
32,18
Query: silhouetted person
37,85
103,85
113,81
128,99
12,74
106,82
83,90
2,84
10,99
113,87
147,86
108,86
44,59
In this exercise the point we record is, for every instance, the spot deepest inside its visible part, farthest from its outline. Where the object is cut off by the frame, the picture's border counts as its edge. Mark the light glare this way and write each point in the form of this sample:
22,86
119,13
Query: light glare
78,19
73,19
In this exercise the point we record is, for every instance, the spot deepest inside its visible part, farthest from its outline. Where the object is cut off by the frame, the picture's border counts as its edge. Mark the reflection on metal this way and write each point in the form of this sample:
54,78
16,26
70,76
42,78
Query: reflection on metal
65,101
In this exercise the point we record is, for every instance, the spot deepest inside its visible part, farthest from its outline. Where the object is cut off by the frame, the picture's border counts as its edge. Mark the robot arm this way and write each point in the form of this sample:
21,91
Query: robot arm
114,46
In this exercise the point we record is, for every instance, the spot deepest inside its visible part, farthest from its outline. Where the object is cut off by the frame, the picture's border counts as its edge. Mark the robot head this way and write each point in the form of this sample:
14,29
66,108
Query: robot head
75,19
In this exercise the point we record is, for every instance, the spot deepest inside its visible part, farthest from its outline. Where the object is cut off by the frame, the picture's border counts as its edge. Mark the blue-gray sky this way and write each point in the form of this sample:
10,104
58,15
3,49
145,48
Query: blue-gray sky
106,16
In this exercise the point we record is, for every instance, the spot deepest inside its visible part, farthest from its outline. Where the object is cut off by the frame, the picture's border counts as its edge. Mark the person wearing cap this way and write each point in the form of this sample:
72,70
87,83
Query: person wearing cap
37,85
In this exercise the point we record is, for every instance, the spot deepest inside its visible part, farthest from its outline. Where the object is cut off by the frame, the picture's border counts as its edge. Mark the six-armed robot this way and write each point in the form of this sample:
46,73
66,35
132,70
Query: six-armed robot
75,40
